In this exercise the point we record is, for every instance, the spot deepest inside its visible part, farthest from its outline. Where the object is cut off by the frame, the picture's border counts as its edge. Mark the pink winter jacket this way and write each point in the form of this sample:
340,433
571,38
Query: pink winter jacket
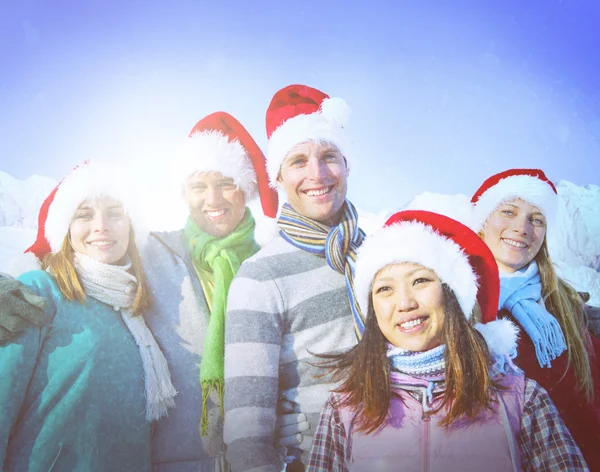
486,444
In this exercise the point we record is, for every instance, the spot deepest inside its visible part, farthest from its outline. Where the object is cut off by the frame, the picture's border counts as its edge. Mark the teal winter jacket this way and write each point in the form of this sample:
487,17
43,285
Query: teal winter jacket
72,393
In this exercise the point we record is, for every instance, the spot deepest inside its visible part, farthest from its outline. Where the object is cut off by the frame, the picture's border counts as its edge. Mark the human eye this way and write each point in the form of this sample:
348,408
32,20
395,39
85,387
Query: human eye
116,214
507,212
421,280
298,161
228,186
538,221
198,188
83,215
382,289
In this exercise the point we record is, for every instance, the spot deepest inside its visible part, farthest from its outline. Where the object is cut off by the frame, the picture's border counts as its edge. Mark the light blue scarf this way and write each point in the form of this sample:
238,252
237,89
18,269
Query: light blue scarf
425,370
519,294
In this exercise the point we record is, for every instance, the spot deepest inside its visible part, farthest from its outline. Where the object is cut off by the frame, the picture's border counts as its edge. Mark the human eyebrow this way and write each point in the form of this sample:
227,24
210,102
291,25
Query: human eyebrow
383,280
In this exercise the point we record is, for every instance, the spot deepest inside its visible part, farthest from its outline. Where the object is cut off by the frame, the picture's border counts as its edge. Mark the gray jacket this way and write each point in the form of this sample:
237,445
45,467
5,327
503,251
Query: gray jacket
179,318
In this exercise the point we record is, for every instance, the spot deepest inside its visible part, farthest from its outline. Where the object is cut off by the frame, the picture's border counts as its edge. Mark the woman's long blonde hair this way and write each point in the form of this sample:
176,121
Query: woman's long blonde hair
565,304
62,267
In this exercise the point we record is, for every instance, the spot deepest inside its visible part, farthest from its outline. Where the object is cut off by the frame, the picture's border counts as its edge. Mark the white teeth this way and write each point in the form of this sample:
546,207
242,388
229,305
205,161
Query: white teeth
412,323
214,214
317,193
510,242
101,243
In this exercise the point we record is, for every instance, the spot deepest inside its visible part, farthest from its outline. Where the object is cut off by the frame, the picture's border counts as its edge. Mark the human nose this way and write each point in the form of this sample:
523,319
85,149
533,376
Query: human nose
522,225
405,300
100,223
316,169
213,195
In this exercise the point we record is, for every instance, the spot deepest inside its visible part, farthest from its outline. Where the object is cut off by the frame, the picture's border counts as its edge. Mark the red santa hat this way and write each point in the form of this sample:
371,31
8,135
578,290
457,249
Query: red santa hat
88,180
298,113
530,185
219,143
454,252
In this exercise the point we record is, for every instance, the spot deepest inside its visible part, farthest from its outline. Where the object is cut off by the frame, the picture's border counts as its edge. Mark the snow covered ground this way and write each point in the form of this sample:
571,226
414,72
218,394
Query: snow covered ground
574,245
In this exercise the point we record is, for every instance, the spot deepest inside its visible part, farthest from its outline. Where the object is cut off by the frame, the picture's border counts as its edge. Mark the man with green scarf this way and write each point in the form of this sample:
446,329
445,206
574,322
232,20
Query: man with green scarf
189,273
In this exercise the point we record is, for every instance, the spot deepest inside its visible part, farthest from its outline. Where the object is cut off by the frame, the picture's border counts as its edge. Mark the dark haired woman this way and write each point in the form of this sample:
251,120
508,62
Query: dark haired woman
423,390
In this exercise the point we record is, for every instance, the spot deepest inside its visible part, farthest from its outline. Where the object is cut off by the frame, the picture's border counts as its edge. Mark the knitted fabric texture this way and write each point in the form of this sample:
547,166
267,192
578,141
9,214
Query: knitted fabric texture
216,261
116,287
425,370
519,294
338,245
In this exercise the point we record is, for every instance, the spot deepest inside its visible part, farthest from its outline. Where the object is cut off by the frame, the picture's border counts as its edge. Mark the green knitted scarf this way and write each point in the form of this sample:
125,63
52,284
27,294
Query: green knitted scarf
216,261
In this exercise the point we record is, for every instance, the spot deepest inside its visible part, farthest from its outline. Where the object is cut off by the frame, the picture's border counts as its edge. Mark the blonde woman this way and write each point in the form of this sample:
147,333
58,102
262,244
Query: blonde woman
80,393
513,212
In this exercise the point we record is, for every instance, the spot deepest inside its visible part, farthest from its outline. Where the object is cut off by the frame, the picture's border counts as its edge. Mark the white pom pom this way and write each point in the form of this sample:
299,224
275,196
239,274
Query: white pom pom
266,230
336,110
501,336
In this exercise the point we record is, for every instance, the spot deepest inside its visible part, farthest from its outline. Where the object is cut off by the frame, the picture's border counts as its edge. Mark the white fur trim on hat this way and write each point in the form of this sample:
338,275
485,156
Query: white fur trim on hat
501,337
212,151
325,125
91,180
420,244
528,188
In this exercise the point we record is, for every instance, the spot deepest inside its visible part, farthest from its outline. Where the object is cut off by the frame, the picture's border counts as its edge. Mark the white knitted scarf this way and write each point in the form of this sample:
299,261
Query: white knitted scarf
113,285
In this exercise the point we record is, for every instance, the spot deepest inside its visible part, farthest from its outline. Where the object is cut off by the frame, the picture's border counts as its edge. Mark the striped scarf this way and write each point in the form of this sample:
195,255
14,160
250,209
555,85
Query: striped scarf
338,245
422,373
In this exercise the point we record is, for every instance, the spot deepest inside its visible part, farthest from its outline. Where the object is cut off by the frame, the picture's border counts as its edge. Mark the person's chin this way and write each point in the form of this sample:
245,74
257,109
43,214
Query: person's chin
220,230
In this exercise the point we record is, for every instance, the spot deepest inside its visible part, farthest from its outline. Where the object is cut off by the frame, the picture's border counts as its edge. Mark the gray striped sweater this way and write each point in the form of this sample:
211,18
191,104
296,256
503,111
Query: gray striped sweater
283,304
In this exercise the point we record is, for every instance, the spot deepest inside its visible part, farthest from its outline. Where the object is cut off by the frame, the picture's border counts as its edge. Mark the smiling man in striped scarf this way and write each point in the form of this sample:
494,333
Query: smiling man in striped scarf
294,298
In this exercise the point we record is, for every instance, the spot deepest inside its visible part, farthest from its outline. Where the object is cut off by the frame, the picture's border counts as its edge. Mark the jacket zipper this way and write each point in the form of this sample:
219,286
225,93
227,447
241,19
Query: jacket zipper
426,419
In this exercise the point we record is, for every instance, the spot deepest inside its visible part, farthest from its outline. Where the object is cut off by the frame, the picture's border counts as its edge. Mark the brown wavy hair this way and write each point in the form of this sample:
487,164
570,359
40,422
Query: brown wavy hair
566,305
364,371
62,267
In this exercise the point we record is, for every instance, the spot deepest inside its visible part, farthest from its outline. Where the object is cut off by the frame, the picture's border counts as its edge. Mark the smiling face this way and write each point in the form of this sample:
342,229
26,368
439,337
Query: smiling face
216,203
514,233
408,301
314,177
100,230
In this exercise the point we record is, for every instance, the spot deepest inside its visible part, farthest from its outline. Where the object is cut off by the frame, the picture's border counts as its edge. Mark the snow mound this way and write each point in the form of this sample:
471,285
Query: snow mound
20,200
13,241
577,239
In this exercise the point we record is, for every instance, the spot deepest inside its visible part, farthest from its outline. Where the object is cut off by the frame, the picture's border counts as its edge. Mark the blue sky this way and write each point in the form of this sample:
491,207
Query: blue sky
443,93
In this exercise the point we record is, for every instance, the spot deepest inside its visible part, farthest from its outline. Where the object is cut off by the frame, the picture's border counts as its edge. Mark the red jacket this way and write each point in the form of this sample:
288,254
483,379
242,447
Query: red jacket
581,417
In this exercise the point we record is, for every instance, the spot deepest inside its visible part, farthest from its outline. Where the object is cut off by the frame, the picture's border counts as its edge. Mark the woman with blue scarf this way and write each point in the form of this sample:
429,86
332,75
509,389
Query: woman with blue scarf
431,385
513,211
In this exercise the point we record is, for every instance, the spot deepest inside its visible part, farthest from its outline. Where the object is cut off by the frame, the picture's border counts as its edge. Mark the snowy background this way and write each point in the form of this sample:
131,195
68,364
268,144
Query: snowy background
574,245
